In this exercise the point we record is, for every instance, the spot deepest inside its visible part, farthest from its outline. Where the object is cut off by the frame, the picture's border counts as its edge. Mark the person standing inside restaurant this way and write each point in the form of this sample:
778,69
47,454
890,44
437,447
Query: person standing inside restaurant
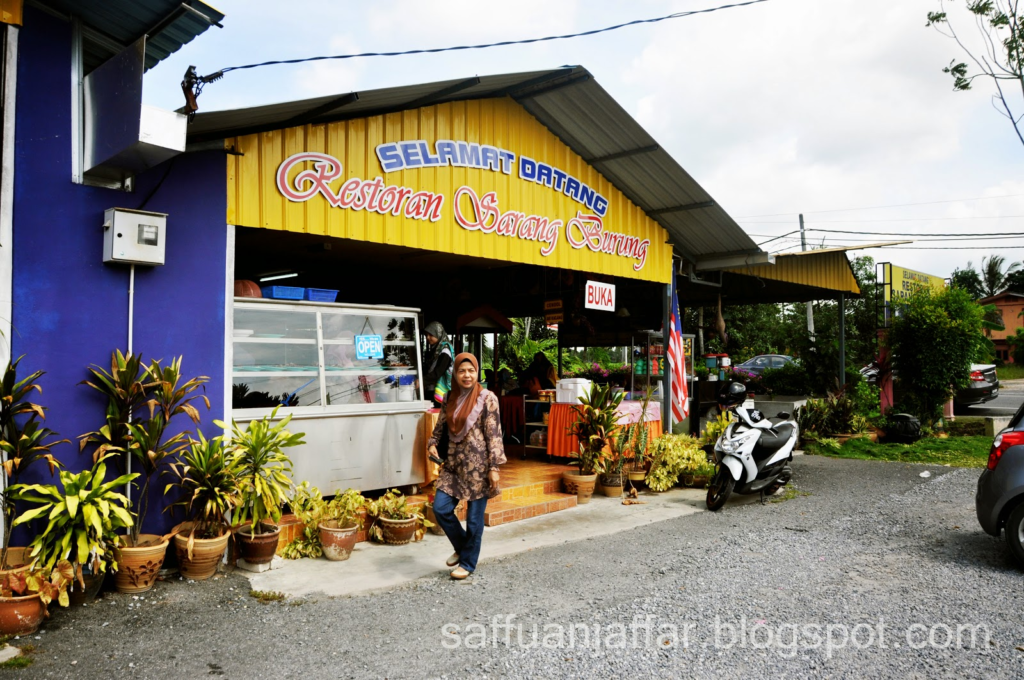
471,472
437,379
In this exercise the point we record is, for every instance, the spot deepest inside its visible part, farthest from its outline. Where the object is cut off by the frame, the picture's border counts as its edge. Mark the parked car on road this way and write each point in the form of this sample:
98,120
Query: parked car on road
999,501
757,365
984,385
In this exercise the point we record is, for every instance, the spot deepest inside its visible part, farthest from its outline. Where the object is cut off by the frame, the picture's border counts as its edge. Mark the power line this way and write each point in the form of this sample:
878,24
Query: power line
897,219
677,15
877,207
966,236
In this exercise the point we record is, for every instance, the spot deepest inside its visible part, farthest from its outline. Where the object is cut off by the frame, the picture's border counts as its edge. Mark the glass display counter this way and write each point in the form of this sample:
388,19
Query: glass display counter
361,416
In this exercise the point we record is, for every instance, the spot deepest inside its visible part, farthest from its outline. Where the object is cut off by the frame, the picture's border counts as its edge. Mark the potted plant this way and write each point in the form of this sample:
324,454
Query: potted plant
263,480
23,441
330,526
609,481
339,524
636,444
672,455
596,420
307,504
207,480
713,430
83,519
133,392
25,594
392,520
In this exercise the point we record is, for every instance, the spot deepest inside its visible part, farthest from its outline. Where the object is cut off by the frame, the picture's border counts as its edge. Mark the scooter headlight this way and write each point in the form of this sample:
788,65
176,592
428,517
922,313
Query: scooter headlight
728,446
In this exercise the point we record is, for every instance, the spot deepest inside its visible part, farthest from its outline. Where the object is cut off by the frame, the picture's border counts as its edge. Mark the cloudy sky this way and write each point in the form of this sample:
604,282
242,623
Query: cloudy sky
830,108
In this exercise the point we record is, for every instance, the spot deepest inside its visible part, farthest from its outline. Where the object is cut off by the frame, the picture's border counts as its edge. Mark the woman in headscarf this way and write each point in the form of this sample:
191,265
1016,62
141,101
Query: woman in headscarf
471,472
437,379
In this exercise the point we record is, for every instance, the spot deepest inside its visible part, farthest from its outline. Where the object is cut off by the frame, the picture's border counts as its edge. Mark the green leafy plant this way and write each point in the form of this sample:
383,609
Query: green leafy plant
206,479
263,467
311,508
714,428
934,339
701,372
789,379
83,518
23,441
672,456
307,504
51,584
596,419
392,505
165,394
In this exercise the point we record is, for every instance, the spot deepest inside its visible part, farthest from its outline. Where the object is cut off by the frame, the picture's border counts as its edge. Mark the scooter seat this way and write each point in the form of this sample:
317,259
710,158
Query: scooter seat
774,439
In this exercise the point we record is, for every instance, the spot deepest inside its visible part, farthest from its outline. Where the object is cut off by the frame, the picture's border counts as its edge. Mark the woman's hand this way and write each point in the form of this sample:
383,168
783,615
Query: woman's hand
432,450
495,477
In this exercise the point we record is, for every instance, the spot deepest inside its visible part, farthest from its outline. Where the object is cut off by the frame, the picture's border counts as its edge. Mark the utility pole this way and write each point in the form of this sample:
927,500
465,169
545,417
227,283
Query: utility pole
810,304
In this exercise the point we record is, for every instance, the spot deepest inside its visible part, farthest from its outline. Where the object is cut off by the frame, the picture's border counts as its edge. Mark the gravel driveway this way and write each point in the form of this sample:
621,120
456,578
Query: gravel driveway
877,573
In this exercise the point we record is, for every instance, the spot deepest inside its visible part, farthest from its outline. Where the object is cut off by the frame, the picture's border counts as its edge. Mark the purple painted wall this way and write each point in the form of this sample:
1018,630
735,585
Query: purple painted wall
70,309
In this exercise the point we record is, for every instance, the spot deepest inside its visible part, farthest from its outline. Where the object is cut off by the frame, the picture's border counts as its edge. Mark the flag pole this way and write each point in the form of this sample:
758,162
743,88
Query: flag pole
666,335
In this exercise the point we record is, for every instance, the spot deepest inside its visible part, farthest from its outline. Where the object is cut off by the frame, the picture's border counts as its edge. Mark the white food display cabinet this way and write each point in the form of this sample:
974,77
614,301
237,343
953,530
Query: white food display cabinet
360,416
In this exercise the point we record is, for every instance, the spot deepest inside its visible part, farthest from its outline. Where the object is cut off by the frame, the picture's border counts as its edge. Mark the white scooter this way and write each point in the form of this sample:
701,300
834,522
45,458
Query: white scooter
753,454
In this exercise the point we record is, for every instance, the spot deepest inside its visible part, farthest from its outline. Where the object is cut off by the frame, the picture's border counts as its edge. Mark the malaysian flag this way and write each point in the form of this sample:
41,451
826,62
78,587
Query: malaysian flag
677,361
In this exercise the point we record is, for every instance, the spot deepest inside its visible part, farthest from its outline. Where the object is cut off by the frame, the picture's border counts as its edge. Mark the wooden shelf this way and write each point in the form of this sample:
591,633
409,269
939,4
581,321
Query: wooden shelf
538,424
533,446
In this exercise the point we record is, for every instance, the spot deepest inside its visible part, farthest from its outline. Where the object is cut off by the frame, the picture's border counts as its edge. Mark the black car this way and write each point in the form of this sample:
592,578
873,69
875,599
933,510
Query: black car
999,501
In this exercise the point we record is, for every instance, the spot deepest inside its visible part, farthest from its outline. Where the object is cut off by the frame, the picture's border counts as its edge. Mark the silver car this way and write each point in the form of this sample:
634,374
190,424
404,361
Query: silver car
999,501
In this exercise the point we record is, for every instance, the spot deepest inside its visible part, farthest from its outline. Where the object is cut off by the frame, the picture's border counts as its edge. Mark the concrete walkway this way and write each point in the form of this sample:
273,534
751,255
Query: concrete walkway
373,566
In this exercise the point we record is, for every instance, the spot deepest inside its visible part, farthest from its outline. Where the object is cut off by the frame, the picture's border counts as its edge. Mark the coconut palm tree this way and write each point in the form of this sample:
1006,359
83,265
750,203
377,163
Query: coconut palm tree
993,277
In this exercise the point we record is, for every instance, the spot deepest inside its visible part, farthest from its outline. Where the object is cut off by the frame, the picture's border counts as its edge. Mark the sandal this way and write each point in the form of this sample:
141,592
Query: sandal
460,573
453,560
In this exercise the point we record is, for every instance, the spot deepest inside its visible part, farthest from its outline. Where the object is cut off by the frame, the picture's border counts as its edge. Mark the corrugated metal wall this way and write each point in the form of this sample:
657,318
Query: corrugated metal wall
254,200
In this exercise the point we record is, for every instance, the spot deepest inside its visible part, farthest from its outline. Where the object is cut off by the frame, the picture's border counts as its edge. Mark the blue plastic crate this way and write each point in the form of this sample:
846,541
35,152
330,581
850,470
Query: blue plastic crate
320,295
283,292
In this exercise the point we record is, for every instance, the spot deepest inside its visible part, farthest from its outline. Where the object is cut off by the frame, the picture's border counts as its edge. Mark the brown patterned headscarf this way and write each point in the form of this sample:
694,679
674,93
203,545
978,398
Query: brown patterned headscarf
461,401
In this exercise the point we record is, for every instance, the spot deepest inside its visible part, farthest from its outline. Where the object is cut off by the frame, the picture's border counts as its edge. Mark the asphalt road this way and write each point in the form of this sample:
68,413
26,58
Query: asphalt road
1011,396
878,572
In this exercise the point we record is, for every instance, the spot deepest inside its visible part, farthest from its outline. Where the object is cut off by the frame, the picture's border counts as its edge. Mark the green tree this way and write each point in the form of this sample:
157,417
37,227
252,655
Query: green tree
1015,280
998,57
993,277
968,279
934,338
1016,343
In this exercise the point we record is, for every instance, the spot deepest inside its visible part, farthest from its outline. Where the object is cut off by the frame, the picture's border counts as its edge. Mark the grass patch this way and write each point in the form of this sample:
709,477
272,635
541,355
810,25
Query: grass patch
1010,372
266,596
23,661
788,493
969,452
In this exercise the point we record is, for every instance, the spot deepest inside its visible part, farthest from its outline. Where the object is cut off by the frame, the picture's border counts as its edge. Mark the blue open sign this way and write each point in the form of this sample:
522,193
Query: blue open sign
369,347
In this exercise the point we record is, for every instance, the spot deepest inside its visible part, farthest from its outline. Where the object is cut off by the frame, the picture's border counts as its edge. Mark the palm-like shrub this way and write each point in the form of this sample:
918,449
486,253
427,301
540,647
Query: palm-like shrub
264,469
206,478
595,423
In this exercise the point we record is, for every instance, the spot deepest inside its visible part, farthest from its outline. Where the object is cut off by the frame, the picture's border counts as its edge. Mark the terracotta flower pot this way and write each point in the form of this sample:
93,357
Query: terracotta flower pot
610,490
78,595
581,485
337,541
398,531
258,548
139,565
206,554
21,615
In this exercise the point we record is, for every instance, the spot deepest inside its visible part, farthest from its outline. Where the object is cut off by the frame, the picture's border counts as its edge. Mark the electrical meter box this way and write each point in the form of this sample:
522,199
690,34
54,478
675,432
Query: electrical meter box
134,236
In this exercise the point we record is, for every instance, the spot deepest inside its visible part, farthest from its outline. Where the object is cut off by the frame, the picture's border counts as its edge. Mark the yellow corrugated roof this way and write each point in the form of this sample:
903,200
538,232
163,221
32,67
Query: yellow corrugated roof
826,269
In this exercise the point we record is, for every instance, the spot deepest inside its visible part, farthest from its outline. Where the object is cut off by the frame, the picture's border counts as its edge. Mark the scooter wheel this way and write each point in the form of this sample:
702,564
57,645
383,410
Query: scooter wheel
720,488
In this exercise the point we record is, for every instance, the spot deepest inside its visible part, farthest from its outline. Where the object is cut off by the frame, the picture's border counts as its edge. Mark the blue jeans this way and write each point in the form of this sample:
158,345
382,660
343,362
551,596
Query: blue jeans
466,542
